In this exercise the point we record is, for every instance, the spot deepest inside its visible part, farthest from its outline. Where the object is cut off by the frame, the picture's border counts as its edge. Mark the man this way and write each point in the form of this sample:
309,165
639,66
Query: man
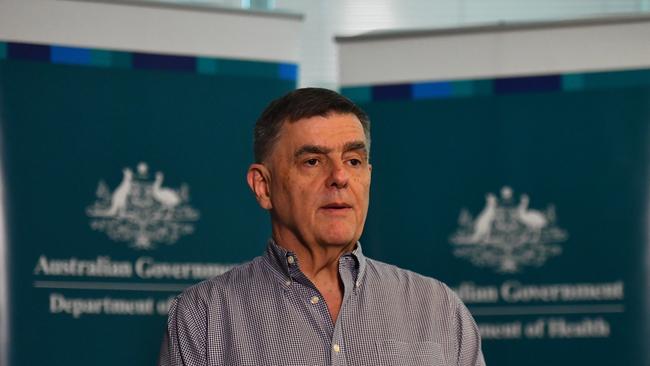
314,298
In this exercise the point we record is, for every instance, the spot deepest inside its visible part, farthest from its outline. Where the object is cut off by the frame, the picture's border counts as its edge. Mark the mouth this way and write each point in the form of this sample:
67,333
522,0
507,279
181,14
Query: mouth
336,207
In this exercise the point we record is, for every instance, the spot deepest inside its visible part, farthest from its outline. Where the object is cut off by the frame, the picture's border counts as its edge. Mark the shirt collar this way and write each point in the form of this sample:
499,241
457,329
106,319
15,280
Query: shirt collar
286,262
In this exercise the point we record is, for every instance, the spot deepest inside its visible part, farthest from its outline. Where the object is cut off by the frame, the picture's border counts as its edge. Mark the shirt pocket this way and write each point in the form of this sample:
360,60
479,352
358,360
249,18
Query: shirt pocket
397,353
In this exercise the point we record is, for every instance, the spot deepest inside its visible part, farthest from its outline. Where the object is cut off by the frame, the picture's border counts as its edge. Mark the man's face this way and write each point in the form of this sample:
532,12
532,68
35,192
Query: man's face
320,180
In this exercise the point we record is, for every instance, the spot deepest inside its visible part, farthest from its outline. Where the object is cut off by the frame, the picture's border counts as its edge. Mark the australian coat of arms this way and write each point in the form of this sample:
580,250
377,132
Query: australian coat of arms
507,235
141,211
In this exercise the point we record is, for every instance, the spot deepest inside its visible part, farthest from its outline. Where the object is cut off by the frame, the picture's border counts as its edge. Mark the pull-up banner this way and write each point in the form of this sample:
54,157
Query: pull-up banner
528,196
124,176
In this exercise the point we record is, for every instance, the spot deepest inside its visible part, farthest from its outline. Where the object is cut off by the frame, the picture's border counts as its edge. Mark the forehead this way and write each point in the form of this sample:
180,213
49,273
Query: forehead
331,130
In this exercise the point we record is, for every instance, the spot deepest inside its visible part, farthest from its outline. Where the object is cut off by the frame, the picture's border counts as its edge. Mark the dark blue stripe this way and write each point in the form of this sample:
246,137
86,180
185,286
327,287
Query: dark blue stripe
163,62
432,90
288,71
70,55
395,91
528,84
24,51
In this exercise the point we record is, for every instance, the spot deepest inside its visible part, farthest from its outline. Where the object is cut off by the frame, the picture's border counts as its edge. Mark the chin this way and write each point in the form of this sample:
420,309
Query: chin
338,239
337,242
337,234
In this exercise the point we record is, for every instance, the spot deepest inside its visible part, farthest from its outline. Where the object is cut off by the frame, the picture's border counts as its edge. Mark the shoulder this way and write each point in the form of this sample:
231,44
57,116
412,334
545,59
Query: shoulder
238,279
403,282
397,275
202,314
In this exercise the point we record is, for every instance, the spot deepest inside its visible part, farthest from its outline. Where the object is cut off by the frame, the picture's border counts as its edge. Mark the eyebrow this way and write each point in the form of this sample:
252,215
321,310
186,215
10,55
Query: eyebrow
318,149
355,145
311,149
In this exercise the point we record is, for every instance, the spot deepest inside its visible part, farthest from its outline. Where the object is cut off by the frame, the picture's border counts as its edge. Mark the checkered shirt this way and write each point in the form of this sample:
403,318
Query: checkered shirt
267,312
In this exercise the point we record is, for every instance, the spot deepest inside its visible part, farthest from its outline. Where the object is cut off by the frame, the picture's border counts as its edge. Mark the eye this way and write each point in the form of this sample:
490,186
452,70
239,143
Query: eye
355,162
312,162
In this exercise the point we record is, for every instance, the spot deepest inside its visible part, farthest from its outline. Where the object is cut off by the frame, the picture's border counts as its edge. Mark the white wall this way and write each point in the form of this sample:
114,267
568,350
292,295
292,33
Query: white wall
327,18
496,51
151,27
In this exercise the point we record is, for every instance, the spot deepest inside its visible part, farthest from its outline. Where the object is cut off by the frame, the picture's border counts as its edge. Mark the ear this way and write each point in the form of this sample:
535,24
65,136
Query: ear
259,178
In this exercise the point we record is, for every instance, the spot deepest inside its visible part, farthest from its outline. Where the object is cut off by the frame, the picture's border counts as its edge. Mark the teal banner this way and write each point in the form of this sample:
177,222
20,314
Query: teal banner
124,176
528,196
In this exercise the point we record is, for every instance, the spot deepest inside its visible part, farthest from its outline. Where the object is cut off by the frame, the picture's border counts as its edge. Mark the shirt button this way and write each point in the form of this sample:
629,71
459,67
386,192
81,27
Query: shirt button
357,284
314,300
290,259
336,348
288,283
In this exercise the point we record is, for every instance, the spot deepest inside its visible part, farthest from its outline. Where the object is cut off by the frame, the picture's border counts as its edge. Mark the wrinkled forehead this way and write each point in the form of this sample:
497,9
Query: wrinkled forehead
334,130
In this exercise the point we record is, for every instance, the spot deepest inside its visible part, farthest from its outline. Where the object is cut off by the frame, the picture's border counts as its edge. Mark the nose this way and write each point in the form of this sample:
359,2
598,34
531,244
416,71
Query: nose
338,177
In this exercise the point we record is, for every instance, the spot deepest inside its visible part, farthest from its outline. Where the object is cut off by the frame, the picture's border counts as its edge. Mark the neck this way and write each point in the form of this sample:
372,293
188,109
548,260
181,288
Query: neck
320,263
317,261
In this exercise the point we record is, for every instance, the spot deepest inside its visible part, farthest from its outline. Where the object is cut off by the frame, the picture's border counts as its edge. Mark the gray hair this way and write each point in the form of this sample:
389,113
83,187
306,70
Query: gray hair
299,104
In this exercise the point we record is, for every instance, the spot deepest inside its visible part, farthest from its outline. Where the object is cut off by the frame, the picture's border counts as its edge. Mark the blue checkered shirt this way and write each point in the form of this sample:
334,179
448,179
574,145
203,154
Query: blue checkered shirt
267,312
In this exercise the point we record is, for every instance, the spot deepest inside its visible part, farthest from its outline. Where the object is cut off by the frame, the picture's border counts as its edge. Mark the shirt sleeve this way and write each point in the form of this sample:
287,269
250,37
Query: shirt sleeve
469,338
184,341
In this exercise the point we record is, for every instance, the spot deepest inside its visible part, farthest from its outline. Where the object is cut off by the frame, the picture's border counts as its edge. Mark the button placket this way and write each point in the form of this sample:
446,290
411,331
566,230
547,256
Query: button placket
346,269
